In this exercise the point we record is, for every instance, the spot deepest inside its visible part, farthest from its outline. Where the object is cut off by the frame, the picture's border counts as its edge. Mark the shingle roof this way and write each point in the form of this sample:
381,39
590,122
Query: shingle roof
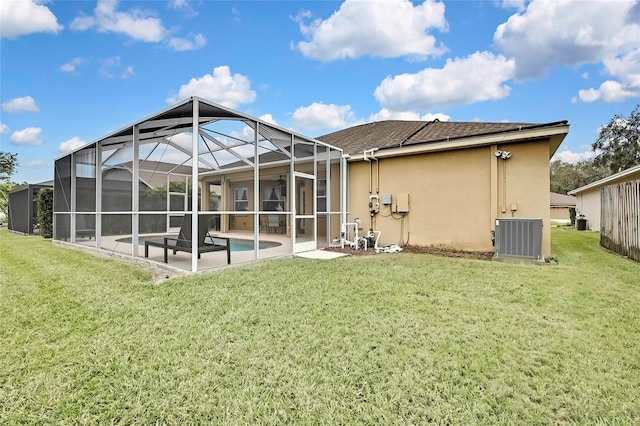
562,200
396,133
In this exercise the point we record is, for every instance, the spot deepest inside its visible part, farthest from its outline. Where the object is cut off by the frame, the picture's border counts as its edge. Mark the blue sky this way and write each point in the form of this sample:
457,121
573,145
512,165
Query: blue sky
74,71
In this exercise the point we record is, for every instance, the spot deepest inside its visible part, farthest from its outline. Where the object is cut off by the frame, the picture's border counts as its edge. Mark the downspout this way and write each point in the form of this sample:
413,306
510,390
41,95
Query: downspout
343,188
504,186
377,174
493,203
366,158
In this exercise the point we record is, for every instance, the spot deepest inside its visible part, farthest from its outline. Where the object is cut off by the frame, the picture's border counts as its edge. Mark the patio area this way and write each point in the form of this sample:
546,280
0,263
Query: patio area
258,181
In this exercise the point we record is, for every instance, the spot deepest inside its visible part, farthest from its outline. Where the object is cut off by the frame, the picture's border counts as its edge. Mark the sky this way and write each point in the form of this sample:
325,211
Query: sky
72,72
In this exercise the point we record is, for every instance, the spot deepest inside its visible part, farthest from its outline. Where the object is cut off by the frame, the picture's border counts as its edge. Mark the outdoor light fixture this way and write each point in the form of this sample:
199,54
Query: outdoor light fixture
505,155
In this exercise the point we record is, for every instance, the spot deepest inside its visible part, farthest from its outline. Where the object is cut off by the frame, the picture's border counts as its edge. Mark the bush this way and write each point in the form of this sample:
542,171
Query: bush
45,212
572,215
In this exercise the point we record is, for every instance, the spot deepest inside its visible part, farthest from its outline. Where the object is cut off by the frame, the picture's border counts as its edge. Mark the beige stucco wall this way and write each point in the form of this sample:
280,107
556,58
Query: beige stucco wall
454,196
560,215
268,179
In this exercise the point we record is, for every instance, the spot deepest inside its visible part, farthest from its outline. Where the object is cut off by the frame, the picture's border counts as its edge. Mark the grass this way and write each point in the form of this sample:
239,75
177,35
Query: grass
392,339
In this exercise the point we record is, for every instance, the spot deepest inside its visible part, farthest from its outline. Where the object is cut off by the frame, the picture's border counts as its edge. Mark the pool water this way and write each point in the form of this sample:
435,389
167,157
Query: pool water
247,245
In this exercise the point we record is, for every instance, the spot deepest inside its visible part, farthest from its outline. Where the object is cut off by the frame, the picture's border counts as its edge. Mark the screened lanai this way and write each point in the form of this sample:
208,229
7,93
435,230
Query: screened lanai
255,187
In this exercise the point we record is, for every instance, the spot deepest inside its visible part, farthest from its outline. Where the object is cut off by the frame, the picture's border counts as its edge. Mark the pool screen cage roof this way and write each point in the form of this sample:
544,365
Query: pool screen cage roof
139,180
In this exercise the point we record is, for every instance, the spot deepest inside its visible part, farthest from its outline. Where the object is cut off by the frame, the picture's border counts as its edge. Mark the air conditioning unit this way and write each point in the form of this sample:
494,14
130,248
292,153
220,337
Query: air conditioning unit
519,237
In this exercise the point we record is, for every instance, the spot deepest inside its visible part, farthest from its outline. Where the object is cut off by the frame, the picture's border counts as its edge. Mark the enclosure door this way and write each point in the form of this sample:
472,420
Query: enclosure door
304,230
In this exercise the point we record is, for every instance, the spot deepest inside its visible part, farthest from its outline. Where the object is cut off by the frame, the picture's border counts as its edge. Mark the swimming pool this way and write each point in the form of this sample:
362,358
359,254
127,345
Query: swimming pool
247,245
237,244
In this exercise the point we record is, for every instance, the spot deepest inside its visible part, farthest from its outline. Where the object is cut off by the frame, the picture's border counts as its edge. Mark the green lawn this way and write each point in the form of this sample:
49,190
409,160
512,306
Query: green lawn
387,339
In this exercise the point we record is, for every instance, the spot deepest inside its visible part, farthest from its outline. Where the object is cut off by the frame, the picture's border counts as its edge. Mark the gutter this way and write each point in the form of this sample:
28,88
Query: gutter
487,139
606,180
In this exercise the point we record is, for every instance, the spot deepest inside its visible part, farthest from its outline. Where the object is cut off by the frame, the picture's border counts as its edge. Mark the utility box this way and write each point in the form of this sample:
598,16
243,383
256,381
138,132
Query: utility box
519,237
386,199
402,202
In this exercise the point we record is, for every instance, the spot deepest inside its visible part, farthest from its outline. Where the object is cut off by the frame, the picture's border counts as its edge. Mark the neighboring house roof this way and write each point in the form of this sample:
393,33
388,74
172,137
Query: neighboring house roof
561,200
607,180
404,134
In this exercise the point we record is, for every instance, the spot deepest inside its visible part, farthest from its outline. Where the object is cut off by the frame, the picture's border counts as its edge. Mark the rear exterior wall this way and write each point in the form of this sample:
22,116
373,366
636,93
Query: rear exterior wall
454,196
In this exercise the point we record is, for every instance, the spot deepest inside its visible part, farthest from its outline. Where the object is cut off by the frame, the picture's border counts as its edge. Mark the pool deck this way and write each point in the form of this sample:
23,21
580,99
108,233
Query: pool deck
181,261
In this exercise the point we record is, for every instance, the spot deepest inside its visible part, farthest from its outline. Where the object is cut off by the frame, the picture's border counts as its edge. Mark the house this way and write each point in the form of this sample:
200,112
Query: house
275,192
588,199
447,184
561,205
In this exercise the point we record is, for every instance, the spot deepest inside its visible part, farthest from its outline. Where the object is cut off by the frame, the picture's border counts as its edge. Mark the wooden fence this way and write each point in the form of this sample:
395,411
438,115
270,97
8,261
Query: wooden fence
620,218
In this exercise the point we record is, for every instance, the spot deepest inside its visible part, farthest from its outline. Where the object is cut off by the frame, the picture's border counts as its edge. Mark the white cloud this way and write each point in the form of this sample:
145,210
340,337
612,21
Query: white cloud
385,114
268,118
478,77
322,116
567,32
183,6
71,144
627,70
573,157
181,44
520,5
23,17
27,137
220,86
71,65
39,164
236,15
178,4
113,68
247,133
137,24
4,128
26,103
387,29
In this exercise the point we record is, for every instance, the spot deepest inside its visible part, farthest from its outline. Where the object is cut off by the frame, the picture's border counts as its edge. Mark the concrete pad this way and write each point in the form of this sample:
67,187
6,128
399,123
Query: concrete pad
320,254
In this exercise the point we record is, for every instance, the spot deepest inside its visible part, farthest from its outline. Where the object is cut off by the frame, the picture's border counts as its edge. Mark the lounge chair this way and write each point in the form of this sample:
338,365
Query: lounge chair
206,243
273,224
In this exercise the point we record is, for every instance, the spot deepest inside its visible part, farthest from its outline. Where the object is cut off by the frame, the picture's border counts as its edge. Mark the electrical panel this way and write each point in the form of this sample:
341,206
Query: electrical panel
402,202
386,199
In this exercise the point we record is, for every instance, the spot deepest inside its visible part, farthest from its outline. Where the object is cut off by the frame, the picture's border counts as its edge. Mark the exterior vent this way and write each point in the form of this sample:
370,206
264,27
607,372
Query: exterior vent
519,237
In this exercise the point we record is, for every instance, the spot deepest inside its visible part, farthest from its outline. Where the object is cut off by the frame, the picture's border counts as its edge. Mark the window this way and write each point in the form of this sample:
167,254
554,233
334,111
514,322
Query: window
215,198
322,195
240,199
273,200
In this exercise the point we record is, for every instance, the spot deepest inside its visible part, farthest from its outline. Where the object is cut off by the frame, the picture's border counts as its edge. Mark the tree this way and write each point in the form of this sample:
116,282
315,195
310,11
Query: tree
8,164
618,145
565,177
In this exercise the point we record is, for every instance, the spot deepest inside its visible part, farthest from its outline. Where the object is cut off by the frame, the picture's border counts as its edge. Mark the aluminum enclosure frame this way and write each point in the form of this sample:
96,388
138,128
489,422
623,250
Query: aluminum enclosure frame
141,179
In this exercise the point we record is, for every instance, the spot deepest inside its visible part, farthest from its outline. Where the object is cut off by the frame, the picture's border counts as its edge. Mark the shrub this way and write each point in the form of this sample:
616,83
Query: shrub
572,215
45,212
